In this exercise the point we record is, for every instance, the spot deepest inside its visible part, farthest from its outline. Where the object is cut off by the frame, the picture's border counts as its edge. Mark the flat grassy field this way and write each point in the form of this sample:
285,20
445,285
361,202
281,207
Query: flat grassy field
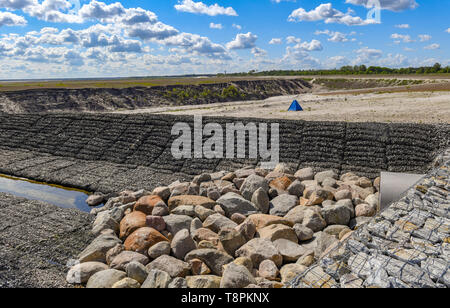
120,83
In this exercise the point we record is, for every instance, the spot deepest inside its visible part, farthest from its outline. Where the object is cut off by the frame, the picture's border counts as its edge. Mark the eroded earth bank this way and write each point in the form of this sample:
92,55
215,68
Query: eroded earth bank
104,99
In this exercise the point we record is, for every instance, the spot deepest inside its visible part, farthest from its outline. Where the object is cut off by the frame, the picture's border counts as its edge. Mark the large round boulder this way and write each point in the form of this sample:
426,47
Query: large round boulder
105,279
142,239
147,203
81,272
131,223
258,250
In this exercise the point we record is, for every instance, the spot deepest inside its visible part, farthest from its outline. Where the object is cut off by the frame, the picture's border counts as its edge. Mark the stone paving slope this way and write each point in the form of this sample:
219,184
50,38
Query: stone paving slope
37,240
108,153
408,245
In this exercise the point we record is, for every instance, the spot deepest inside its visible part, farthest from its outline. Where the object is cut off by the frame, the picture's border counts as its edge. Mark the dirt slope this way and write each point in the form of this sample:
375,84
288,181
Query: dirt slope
89,100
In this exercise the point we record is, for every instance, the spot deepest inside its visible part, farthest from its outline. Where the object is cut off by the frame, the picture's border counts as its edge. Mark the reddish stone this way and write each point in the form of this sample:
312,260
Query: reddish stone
156,222
281,183
190,200
147,203
263,220
142,239
131,223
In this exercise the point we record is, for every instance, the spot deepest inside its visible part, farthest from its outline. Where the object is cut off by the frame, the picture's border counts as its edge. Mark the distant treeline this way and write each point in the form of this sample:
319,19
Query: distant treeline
352,70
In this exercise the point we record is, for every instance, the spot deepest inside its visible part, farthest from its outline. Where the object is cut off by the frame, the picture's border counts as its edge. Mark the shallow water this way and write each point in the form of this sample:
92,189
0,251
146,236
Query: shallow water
57,195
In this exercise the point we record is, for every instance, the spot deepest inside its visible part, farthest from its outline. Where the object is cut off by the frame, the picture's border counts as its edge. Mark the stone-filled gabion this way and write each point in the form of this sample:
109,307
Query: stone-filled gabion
406,246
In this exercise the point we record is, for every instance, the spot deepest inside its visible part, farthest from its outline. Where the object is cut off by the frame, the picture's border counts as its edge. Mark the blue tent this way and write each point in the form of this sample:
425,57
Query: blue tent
295,106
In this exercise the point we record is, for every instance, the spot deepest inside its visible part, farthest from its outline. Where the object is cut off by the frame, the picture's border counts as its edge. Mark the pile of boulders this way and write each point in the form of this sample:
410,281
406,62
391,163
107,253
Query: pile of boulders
249,228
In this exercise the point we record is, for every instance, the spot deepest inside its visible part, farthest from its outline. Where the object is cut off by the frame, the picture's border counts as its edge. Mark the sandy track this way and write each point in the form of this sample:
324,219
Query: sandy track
403,107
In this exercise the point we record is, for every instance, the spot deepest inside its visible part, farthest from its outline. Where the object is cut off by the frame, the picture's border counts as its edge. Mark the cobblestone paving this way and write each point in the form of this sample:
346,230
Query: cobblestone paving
408,245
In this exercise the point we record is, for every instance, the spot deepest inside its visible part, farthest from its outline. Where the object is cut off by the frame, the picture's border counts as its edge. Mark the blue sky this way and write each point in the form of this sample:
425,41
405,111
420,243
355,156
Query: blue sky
89,38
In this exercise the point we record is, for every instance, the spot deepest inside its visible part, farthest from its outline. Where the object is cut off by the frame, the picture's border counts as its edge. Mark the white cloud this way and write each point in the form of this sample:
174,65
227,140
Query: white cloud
120,39
367,55
239,27
336,62
424,37
402,38
53,11
297,56
190,6
135,16
15,4
62,11
158,31
335,36
215,26
101,10
193,43
293,40
448,30
10,19
397,60
392,5
432,47
327,13
258,52
314,45
403,26
243,41
276,41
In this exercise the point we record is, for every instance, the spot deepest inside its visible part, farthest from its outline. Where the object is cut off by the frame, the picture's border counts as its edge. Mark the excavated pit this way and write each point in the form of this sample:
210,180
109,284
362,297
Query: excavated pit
113,99
110,153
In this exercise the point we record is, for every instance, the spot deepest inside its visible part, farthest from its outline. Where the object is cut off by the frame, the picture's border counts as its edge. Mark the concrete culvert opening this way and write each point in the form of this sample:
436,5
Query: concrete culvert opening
394,185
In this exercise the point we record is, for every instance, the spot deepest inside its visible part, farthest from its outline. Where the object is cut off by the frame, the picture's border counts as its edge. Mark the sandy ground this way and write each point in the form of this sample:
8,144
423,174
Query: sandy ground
416,107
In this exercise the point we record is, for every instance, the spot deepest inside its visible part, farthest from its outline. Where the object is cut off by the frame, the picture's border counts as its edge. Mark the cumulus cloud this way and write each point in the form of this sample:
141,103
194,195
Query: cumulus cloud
62,11
328,14
191,6
196,44
258,52
296,55
15,4
293,40
10,19
392,5
276,41
243,41
215,26
367,55
424,37
101,10
239,27
335,36
314,45
53,11
403,26
448,30
397,60
432,47
158,31
402,38
120,38
336,61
